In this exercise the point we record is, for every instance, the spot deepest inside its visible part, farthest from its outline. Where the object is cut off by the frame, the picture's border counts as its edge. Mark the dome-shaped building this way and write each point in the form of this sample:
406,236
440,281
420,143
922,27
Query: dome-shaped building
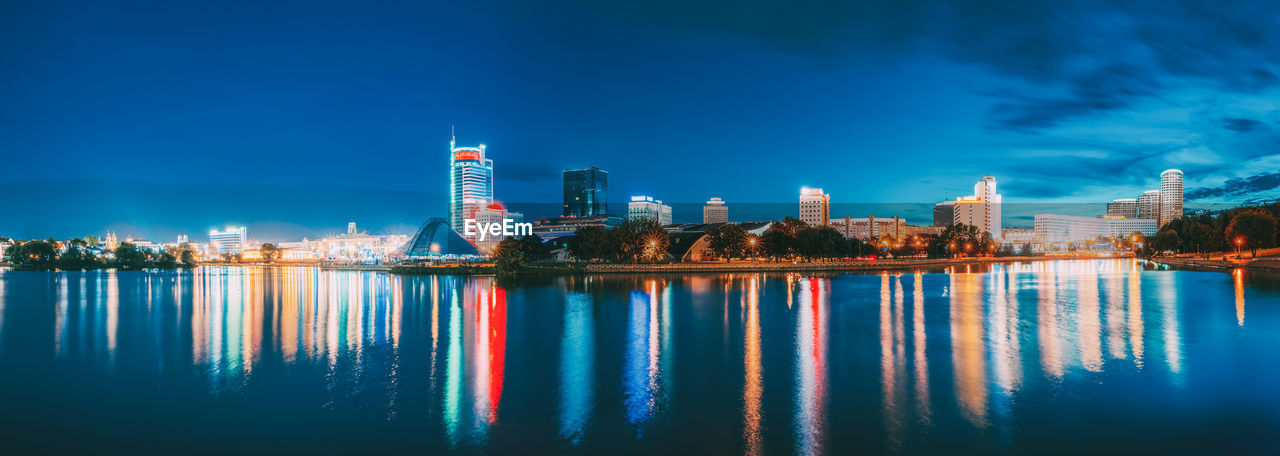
437,241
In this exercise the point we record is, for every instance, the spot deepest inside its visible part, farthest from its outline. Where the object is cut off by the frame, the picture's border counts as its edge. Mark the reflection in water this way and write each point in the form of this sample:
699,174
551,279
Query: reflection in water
753,387
923,405
577,364
332,341
1172,337
1088,323
1116,347
1047,322
811,358
967,344
1238,278
646,365
1135,313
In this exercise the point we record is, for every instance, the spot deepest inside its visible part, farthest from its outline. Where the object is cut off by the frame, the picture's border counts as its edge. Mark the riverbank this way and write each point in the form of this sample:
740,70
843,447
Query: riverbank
1268,264
910,264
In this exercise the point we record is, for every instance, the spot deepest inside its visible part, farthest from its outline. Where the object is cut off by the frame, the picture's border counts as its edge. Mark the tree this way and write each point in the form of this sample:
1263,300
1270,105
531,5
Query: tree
77,257
188,258
533,249
820,242
727,241
270,253
1166,240
1254,228
590,243
130,258
507,255
92,241
31,255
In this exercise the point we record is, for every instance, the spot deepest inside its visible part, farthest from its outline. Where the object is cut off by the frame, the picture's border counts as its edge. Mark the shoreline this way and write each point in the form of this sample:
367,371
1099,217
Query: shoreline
1265,264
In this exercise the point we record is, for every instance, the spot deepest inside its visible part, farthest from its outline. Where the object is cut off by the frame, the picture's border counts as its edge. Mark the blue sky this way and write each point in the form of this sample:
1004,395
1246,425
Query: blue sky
876,102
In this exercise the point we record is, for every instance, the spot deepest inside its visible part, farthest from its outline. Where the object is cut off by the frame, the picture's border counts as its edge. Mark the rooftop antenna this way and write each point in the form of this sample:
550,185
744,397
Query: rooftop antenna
452,138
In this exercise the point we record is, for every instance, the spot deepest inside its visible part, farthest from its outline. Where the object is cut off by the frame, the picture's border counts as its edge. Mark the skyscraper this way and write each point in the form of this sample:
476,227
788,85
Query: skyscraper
470,183
715,211
1170,196
1149,205
815,206
586,192
645,207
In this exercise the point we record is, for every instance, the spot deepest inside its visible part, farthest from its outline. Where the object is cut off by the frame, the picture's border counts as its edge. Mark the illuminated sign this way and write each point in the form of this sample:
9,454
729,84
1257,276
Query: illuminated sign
466,155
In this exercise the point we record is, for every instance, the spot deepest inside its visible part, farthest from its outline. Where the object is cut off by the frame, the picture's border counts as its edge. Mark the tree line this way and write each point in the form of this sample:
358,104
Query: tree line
80,255
1242,228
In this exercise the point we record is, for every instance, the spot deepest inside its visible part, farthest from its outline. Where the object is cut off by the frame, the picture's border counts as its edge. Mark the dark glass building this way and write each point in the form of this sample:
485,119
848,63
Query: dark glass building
586,192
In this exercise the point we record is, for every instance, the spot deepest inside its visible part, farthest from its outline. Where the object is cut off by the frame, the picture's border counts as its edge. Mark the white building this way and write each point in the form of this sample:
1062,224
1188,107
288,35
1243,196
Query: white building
972,211
1065,229
470,183
233,240
1170,196
1149,205
645,207
871,227
715,211
815,206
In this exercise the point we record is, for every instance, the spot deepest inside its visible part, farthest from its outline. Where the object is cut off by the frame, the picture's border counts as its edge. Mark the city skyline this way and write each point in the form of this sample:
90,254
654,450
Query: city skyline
153,95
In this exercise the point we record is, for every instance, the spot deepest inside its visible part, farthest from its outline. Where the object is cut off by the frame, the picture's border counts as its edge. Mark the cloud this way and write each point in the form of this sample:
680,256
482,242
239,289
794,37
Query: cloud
1238,187
1064,60
1241,125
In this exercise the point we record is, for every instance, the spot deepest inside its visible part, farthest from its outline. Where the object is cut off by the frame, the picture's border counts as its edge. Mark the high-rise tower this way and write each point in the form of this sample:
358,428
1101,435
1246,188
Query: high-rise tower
470,183
1170,196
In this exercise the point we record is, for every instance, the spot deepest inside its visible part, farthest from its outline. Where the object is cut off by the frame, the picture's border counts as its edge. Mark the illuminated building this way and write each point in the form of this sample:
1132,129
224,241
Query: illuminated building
1018,237
354,246
1170,196
944,213
436,241
556,227
470,183
182,239
645,207
1123,207
586,192
870,227
815,206
715,211
110,240
492,214
233,240
1054,229
970,210
1149,205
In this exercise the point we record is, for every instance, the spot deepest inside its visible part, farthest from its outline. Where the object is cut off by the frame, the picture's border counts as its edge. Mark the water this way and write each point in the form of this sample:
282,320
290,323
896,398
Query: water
1038,357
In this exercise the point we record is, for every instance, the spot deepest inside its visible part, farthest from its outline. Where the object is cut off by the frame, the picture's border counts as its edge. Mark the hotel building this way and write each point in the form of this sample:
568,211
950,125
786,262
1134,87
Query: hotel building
586,192
815,206
233,240
645,207
470,183
1170,196
715,211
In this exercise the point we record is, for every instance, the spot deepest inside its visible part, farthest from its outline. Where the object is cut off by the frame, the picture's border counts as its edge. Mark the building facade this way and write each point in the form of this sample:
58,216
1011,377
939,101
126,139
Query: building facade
985,190
972,211
1149,205
232,240
1170,196
645,207
470,183
1123,207
871,227
944,213
1055,229
715,211
586,192
815,206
